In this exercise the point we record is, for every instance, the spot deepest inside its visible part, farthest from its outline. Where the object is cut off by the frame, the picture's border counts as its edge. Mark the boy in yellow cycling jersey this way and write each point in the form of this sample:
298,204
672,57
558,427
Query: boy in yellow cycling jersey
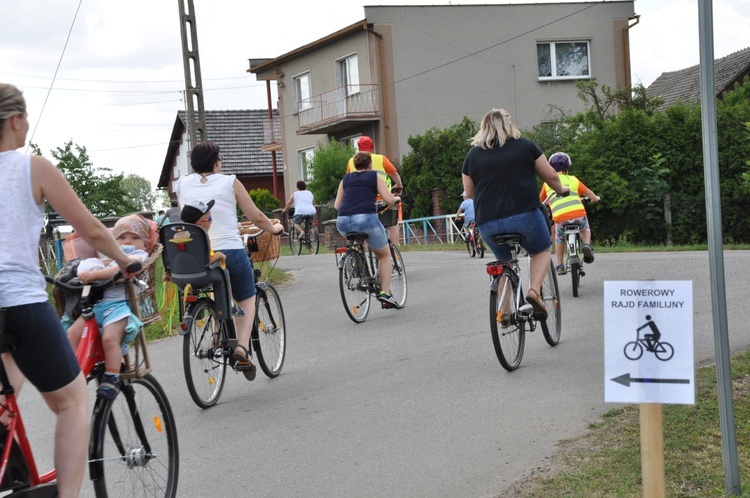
568,208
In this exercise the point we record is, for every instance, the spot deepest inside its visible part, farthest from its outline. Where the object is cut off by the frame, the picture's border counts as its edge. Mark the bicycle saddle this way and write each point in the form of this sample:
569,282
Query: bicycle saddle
353,236
508,238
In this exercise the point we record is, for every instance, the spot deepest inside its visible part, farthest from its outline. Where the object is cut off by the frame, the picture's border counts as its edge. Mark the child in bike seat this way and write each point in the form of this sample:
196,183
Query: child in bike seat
198,213
568,208
117,321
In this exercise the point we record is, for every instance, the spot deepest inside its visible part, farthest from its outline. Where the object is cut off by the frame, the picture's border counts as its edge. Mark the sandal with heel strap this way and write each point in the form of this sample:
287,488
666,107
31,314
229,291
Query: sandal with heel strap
244,362
540,309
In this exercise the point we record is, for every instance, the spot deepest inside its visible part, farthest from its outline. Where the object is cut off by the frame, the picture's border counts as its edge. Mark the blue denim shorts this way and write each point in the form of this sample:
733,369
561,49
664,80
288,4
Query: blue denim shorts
367,223
107,312
241,274
560,231
530,224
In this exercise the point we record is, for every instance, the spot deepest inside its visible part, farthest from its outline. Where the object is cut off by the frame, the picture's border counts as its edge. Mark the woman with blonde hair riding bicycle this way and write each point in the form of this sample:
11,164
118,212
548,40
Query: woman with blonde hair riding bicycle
499,173
35,343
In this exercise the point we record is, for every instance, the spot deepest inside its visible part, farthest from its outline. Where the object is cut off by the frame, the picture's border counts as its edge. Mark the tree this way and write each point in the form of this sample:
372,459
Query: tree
435,163
327,168
100,191
264,200
140,191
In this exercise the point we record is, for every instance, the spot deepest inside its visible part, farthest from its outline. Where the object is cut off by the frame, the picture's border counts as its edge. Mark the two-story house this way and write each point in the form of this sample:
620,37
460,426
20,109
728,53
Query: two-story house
405,69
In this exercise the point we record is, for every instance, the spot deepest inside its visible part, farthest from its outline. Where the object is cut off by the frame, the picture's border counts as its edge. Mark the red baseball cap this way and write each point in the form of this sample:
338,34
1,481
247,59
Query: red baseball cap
365,144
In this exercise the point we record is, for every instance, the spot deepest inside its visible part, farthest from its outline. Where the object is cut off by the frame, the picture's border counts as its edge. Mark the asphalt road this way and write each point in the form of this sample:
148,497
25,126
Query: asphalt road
413,402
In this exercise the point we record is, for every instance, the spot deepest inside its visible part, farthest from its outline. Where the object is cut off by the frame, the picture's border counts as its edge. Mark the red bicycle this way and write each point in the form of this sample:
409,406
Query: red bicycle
473,239
133,447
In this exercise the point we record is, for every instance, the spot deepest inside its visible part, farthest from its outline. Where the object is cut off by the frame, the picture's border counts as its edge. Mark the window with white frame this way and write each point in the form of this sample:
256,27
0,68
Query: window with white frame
302,91
347,73
564,60
304,159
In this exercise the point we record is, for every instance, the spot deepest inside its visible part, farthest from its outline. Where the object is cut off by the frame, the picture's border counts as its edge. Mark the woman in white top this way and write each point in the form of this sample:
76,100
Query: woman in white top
40,350
227,191
304,206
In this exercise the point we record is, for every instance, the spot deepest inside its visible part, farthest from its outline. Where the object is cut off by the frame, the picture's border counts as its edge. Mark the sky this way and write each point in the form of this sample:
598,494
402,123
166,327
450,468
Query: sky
109,75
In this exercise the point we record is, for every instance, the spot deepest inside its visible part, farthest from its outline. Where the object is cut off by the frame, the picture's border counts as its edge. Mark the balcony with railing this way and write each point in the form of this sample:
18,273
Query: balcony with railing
337,109
271,135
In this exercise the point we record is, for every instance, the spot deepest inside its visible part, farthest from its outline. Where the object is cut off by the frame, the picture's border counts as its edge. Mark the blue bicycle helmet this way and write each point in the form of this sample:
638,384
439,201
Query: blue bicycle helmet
560,161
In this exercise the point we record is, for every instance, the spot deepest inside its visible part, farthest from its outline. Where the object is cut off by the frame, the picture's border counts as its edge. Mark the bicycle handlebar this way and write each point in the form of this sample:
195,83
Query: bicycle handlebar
133,267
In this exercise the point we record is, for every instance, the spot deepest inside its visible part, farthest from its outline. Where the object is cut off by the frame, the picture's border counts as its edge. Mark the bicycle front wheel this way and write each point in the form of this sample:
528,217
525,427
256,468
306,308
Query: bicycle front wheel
269,334
134,450
480,243
354,292
203,355
398,277
313,240
551,327
508,332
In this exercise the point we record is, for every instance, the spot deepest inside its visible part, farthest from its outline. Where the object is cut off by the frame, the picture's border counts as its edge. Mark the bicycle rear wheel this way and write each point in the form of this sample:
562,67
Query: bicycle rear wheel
508,332
551,327
313,240
295,243
398,278
269,335
203,355
354,292
134,450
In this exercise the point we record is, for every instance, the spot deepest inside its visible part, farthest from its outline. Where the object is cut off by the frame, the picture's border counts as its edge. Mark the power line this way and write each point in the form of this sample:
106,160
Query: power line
59,62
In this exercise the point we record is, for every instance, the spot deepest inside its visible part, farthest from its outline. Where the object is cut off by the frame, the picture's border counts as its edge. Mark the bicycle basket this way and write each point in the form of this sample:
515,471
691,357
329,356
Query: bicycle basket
389,217
268,247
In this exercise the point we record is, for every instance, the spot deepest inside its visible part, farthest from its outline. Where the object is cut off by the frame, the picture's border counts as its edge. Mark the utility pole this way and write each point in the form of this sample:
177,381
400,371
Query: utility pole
193,83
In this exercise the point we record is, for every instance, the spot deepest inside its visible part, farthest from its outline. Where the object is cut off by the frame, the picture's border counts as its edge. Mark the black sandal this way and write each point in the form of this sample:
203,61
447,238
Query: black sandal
244,362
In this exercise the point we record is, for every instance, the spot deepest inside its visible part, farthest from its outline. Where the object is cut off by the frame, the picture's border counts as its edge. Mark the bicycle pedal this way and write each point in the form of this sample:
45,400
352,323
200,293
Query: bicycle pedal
526,309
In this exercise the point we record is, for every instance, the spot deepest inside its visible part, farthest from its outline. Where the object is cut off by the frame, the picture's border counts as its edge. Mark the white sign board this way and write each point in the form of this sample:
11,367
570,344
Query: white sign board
648,342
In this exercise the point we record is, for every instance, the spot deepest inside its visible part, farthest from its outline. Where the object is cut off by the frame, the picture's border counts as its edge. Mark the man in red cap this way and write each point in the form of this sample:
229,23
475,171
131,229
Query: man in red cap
386,170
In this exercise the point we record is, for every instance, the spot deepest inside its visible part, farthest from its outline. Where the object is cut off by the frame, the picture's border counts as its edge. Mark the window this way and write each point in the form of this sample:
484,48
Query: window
347,74
563,60
302,92
304,158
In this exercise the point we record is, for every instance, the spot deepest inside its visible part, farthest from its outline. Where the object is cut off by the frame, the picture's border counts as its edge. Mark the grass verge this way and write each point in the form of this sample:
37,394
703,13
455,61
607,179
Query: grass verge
606,461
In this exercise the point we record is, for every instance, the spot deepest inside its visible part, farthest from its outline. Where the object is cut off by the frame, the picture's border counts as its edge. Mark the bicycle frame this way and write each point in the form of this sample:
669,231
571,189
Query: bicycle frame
572,244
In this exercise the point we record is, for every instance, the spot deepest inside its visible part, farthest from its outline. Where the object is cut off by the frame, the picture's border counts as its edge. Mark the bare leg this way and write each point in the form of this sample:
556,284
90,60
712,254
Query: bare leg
385,268
586,236
298,227
393,234
70,404
111,339
75,331
559,252
244,324
538,267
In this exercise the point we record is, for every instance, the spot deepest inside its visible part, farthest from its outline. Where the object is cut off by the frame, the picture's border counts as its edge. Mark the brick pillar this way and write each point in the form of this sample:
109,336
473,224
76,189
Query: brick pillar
438,195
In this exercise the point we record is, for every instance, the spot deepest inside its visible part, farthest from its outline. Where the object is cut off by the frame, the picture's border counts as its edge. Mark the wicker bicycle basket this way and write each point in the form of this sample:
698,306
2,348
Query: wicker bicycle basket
268,247
388,217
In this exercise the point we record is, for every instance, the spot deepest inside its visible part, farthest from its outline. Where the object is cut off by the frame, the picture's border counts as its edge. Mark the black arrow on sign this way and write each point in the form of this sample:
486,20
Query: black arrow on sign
626,379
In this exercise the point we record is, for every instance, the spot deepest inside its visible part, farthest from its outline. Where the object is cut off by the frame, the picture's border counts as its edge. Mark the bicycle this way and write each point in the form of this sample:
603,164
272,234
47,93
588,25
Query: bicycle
358,275
473,239
310,239
133,436
661,349
210,336
510,315
573,259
